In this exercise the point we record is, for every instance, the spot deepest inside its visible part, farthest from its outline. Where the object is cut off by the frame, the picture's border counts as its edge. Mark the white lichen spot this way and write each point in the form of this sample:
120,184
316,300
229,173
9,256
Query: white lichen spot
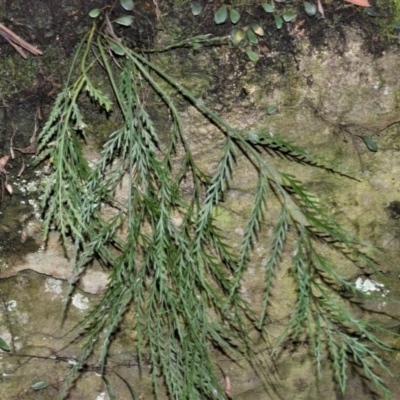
239,231
369,286
264,263
53,286
11,304
101,396
80,301
18,346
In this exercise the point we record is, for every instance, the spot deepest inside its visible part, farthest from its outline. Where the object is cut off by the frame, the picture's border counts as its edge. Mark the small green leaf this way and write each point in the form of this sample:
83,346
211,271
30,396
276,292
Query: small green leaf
253,56
237,36
288,16
310,8
94,13
116,49
396,25
221,15
196,8
370,12
110,390
278,21
252,137
370,143
234,16
4,345
127,4
271,110
252,37
267,7
126,20
257,29
39,385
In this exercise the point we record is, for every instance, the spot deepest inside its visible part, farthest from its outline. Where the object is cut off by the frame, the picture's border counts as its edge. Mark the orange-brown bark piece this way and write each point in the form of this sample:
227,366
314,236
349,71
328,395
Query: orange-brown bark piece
361,3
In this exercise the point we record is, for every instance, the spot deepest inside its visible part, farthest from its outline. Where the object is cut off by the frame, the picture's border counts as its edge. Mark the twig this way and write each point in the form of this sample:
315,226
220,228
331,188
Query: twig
18,43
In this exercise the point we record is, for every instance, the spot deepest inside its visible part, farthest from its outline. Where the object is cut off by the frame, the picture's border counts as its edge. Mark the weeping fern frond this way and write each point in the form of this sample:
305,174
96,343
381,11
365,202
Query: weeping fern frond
180,276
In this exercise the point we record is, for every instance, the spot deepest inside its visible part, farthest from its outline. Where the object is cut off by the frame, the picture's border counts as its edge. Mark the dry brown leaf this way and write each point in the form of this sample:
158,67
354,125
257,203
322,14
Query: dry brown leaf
361,3
228,387
24,235
3,162
27,150
320,8
9,188
22,169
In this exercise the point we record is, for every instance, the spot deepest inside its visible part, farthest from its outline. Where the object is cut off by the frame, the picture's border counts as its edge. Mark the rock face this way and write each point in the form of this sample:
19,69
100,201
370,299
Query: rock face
338,105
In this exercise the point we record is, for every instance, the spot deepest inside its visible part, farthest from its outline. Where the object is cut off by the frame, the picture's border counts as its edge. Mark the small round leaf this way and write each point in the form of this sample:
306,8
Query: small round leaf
39,385
221,15
234,16
126,20
4,345
252,137
237,36
196,8
310,8
94,13
271,110
116,49
370,143
371,12
253,56
268,7
257,29
288,16
252,37
278,21
127,4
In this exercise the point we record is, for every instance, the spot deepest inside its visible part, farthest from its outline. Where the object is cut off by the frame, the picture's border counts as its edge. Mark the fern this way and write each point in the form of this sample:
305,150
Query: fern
182,279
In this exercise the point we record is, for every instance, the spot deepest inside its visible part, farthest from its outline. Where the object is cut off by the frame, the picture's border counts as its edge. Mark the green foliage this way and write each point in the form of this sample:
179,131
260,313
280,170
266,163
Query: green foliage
234,16
196,8
126,20
39,385
269,8
310,8
370,143
221,15
179,276
127,4
284,12
3,345
224,13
